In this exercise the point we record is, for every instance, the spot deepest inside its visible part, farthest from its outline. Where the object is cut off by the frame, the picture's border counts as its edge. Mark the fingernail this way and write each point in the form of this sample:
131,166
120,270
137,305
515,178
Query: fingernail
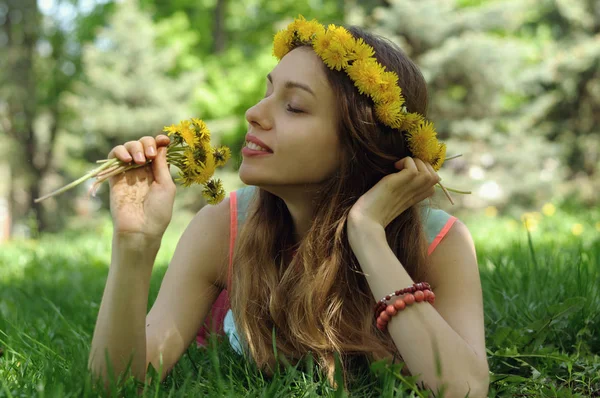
151,150
139,157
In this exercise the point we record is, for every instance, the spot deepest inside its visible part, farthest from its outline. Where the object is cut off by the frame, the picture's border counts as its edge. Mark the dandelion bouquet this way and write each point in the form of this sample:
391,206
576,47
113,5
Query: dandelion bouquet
190,151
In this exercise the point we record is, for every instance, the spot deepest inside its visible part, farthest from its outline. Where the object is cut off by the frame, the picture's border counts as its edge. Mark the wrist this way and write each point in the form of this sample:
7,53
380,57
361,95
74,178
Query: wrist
137,241
360,228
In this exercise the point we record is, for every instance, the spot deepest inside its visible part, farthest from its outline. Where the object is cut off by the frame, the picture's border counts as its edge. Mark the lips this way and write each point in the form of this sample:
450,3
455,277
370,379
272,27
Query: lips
251,138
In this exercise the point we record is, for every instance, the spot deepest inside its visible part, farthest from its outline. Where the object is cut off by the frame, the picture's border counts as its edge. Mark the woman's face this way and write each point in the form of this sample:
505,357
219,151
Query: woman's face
297,119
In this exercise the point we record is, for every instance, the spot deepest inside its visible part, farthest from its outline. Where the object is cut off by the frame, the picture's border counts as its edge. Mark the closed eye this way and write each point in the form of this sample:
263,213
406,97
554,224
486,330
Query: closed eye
294,110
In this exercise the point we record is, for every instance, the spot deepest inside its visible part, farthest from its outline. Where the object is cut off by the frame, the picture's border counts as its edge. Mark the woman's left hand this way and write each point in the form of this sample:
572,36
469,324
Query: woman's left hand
396,192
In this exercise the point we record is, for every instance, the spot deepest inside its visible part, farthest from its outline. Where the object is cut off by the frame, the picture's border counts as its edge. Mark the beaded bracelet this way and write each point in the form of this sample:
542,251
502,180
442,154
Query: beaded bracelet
382,304
401,303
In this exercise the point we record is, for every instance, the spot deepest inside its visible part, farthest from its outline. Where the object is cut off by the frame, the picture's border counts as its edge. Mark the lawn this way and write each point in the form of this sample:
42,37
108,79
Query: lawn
542,313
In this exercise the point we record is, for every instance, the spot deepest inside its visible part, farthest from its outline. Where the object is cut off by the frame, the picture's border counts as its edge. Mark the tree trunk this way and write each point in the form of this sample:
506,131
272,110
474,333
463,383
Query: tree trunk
23,35
219,31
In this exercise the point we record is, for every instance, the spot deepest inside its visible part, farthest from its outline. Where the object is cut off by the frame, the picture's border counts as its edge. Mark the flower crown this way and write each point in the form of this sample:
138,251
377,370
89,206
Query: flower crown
341,51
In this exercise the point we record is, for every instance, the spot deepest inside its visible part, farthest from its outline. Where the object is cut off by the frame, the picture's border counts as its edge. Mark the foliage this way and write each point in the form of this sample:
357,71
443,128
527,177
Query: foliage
513,86
542,307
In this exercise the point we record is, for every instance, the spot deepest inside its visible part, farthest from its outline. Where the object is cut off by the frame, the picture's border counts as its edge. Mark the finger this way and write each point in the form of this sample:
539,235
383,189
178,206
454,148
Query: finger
162,140
120,153
149,145
421,166
136,149
433,172
160,168
406,163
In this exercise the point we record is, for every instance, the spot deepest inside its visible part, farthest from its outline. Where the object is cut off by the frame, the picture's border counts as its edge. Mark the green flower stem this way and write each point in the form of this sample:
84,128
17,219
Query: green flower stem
453,157
457,191
92,173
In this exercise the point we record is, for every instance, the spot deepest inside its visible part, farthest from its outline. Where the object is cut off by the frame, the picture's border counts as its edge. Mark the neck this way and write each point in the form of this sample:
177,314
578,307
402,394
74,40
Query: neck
299,201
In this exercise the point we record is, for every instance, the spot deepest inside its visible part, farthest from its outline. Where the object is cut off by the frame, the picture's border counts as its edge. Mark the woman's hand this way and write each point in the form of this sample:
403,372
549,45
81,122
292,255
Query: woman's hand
396,192
141,199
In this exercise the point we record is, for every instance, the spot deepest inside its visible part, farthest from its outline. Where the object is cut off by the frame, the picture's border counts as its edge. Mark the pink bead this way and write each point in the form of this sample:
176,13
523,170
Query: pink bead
409,299
431,298
399,304
384,316
390,310
419,296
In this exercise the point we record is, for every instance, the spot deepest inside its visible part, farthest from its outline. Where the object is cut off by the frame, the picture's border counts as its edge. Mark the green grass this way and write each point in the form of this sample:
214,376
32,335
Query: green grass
542,307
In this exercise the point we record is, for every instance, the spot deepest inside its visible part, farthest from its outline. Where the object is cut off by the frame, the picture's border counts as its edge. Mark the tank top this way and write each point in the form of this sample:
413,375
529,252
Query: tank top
220,320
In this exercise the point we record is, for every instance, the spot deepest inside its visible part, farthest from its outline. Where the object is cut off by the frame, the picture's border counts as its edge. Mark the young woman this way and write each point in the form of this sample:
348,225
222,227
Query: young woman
333,220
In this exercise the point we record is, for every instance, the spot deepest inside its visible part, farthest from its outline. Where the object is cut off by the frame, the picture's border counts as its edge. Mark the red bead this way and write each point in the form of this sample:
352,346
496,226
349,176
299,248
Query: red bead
390,310
384,316
412,289
399,304
388,297
419,286
381,327
431,298
398,292
427,293
409,299
427,286
419,296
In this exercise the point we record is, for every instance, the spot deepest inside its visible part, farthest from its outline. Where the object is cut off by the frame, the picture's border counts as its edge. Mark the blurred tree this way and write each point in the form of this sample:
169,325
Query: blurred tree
490,94
127,90
39,62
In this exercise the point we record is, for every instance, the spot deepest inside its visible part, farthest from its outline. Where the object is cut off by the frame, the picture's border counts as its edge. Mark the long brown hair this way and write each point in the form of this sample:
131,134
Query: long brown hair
319,301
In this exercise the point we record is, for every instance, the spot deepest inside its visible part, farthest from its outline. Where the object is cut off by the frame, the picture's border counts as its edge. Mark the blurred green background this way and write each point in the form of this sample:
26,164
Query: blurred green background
514,86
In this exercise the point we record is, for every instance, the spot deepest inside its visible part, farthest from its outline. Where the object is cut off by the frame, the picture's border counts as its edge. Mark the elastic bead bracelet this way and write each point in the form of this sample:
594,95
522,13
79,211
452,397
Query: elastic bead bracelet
382,304
401,303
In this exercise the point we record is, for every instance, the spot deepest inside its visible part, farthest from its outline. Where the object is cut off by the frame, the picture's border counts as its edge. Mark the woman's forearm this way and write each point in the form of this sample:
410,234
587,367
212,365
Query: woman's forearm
120,328
423,338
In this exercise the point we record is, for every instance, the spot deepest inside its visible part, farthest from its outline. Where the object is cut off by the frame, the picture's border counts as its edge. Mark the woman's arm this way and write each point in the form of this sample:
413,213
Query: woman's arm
189,287
451,334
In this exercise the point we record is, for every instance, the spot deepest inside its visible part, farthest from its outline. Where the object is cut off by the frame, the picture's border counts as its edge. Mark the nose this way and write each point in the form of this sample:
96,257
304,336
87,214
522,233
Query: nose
259,115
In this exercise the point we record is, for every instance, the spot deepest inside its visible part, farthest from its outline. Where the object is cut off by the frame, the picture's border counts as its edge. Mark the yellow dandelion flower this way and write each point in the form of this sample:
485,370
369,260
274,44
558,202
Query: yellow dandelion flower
411,121
440,157
598,226
548,209
308,29
336,56
577,229
213,191
201,130
388,113
190,163
322,43
366,75
342,36
390,94
189,137
170,130
491,211
360,51
531,220
221,155
207,169
423,143
282,43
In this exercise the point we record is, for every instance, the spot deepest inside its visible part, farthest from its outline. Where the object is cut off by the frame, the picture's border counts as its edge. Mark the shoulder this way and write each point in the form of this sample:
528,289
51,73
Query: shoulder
454,255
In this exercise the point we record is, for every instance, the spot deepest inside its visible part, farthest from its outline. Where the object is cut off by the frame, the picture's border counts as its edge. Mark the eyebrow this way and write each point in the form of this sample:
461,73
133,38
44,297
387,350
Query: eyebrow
291,84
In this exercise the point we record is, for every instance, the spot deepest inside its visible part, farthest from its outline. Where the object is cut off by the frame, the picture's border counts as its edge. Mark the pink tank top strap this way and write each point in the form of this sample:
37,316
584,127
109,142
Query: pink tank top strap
438,238
232,234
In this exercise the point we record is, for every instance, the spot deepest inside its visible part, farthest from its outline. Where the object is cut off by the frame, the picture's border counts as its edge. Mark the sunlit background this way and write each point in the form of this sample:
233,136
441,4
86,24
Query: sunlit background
514,87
